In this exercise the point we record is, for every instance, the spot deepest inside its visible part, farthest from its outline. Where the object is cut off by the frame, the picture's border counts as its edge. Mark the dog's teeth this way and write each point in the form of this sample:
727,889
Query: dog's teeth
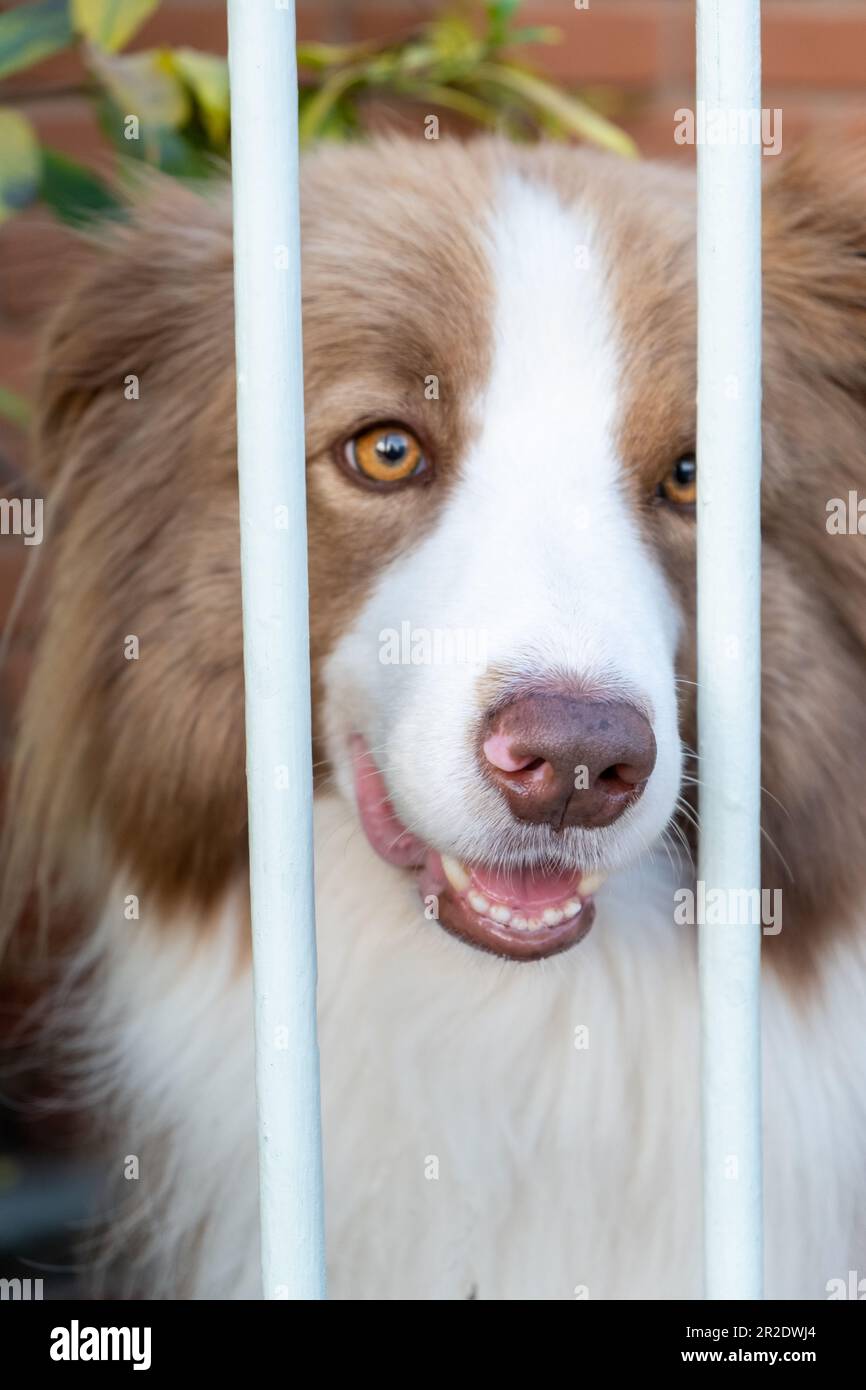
534,923
591,883
455,873
571,909
519,922
552,917
501,914
478,903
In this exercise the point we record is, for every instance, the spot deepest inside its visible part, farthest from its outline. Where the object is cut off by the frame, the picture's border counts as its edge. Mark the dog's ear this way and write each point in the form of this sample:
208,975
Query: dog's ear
815,259
151,293
131,740
814,617
815,358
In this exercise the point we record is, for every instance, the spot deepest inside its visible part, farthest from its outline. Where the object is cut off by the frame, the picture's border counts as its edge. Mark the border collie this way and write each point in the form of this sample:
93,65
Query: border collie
500,413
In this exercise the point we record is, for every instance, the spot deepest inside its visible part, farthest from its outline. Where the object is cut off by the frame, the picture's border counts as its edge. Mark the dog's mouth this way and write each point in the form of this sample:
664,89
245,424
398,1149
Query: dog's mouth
521,913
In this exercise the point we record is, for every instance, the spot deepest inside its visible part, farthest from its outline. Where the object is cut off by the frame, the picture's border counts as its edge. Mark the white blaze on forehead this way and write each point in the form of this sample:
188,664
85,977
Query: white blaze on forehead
543,477
537,547
554,377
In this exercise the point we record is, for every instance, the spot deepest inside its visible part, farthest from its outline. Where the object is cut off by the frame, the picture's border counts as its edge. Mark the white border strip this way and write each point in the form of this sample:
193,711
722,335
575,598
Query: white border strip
729,669
276,640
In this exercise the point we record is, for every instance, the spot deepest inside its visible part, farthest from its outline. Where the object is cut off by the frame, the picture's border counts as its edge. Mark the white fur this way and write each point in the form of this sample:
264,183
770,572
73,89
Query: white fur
558,1168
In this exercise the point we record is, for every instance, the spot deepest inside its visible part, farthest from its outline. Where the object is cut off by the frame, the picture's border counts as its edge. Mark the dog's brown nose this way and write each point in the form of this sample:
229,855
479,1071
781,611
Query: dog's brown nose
568,759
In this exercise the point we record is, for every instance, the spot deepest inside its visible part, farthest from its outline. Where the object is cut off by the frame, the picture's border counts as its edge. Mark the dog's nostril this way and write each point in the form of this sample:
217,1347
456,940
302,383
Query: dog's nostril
499,753
534,765
563,759
623,772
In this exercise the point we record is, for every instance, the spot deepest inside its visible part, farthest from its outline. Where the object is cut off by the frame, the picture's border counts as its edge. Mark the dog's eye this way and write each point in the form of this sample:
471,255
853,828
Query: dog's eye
386,454
680,487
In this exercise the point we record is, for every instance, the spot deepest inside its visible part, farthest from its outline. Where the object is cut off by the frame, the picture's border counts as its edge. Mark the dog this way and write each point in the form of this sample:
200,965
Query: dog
500,388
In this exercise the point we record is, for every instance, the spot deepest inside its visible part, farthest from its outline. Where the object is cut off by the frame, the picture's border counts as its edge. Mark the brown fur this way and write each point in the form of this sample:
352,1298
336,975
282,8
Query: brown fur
150,753
146,757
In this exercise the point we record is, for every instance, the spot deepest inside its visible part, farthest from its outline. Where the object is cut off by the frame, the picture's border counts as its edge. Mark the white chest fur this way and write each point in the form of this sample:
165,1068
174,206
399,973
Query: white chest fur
491,1130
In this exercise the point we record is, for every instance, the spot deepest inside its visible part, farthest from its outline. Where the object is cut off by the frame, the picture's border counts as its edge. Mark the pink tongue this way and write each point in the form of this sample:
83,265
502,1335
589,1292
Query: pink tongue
521,888
385,831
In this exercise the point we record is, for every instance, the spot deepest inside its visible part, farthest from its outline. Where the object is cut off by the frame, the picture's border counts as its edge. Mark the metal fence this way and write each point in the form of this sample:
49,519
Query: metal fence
276,642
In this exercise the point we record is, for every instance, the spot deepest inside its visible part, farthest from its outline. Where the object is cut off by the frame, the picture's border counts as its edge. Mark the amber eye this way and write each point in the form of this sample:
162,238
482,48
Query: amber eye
386,454
680,487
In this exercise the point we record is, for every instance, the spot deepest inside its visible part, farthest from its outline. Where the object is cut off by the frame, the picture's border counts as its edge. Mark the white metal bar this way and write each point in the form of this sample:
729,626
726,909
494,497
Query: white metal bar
729,672
276,640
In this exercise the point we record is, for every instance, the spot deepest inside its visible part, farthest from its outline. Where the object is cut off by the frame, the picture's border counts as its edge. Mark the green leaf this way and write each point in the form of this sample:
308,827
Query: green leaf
415,57
30,33
539,33
452,99
110,23
341,122
207,77
319,56
499,16
173,151
174,154
379,70
75,194
453,38
20,163
572,116
144,85
14,408
318,109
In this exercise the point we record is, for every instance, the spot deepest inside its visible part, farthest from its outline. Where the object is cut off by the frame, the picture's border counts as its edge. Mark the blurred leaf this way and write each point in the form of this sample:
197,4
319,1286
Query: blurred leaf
456,49
75,194
572,116
452,99
180,153
30,33
20,163
415,57
313,119
609,101
144,85
208,78
14,408
379,70
179,99
110,23
180,156
499,16
341,121
540,33
319,56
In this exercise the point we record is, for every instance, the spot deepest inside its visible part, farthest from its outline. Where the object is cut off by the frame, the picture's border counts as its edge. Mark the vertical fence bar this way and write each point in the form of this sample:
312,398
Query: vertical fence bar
729,670
276,640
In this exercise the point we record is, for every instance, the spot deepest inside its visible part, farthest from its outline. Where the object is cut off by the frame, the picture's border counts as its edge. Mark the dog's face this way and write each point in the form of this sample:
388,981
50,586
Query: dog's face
500,387
501,703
